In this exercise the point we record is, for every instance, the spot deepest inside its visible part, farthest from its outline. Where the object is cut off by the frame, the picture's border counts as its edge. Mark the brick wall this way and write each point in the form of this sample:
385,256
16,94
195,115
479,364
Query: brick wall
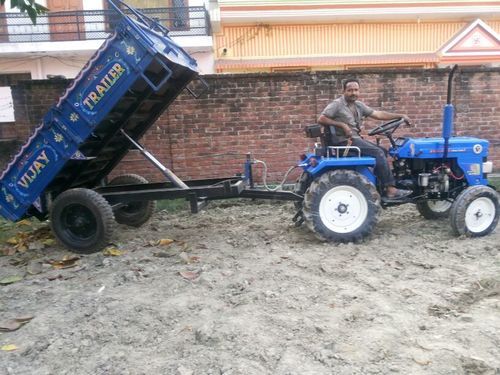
265,114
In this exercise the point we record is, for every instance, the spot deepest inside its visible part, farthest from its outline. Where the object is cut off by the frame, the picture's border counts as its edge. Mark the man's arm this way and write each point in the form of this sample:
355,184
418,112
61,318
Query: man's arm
326,121
383,115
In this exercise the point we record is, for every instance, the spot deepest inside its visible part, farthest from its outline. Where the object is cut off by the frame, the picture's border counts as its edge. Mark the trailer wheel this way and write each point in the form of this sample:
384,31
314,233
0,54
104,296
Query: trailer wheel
434,209
82,220
136,213
341,206
475,211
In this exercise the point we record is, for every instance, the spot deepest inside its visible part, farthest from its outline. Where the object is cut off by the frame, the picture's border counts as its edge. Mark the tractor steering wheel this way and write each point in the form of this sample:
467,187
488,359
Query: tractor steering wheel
388,127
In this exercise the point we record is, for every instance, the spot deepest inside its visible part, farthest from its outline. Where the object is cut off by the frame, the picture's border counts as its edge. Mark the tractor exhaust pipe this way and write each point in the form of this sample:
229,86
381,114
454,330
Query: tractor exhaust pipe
448,114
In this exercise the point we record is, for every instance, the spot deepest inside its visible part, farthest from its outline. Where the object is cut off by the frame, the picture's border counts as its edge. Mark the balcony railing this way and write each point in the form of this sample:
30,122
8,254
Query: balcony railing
97,24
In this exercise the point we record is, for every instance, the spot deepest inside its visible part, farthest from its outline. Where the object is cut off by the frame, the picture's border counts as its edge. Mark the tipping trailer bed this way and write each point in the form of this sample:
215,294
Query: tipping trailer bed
130,80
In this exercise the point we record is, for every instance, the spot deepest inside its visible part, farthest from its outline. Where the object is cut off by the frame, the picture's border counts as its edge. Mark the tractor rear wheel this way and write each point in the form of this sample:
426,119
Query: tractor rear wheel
475,212
301,186
434,209
136,213
82,220
341,206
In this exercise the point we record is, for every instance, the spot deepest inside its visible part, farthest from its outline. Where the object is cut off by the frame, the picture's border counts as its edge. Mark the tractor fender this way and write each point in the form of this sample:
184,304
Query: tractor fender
362,165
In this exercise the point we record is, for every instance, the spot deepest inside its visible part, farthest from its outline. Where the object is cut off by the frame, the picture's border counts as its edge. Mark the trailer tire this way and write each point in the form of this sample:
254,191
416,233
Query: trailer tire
82,220
475,212
433,210
136,213
341,206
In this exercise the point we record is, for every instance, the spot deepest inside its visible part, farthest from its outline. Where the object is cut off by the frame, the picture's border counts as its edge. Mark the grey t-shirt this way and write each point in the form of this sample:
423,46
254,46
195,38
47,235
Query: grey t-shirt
339,110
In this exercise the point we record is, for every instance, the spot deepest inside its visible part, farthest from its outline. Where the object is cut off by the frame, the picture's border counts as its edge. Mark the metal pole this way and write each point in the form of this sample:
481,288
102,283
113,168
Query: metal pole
167,172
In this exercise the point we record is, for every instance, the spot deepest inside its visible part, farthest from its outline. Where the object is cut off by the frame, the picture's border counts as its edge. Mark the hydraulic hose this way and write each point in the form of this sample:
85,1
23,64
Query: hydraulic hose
264,176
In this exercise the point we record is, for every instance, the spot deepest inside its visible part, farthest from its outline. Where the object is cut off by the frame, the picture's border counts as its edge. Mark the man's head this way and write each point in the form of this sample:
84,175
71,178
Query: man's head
351,89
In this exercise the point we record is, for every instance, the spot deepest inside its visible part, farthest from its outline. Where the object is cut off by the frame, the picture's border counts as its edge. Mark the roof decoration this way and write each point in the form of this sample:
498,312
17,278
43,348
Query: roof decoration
477,39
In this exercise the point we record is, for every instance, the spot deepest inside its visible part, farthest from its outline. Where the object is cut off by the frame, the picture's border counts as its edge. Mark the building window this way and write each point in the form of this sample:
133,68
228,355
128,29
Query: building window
180,14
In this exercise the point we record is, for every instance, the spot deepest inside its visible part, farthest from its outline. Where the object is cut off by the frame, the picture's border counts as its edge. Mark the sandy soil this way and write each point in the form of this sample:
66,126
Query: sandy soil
243,291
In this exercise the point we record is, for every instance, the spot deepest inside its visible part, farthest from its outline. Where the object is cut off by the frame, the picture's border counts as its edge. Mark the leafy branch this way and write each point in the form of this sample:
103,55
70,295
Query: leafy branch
29,6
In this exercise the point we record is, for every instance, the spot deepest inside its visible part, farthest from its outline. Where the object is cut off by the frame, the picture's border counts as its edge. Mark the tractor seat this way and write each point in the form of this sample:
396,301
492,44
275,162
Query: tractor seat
324,135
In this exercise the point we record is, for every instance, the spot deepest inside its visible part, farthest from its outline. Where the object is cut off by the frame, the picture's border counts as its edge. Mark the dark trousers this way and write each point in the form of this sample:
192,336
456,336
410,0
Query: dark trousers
381,170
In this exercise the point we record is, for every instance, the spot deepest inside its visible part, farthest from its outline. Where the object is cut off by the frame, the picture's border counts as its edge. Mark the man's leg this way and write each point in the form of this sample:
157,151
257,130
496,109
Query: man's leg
381,170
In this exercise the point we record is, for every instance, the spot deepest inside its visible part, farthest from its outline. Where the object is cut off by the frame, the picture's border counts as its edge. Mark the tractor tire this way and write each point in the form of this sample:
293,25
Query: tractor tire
82,220
433,210
475,212
341,206
300,187
136,213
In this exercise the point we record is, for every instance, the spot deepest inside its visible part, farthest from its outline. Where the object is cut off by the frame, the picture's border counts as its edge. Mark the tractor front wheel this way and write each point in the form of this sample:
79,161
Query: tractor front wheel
82,220
475,211
341,206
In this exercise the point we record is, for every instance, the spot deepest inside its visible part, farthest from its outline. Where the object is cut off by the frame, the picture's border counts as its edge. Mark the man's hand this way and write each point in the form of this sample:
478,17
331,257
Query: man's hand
407,120
347,131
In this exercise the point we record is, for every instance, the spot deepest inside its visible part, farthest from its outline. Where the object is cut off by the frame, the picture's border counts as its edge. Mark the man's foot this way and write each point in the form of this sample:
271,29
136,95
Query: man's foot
395,193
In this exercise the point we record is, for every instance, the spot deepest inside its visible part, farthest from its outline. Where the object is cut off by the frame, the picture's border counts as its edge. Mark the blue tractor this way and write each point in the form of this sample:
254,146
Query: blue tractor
447,176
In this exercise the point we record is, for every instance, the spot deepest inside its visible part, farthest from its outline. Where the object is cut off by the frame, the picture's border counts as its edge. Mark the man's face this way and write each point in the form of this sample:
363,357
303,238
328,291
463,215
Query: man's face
351,92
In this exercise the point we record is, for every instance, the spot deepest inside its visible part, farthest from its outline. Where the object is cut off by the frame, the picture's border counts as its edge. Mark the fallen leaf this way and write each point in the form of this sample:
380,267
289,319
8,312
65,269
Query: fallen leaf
12,241
165,254
10,325
24,222
22,247
49,242
112,251
165,242
67,261
11,280
189,275
24,318
9,250
8,348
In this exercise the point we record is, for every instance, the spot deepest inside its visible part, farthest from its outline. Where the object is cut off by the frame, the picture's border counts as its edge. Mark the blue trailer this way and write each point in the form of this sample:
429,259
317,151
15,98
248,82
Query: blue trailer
122,89
125,86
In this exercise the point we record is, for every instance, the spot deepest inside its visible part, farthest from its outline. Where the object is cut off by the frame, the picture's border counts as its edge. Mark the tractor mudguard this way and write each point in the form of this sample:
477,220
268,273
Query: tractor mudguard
362,165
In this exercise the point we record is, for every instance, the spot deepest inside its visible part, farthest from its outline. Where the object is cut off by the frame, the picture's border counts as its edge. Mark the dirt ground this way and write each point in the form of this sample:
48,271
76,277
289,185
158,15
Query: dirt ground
243,291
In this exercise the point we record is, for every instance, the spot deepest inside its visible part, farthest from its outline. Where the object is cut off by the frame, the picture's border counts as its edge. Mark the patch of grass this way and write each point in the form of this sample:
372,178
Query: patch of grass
173,205
495,181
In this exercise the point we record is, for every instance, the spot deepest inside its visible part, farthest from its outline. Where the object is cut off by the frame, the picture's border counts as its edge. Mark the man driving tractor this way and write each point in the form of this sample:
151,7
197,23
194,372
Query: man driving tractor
344,119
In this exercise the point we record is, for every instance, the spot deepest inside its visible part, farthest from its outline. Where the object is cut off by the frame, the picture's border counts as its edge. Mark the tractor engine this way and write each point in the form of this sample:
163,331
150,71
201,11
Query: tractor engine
430,177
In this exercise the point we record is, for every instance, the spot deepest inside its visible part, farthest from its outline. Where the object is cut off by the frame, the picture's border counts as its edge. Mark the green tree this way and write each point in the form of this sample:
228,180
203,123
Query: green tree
29,6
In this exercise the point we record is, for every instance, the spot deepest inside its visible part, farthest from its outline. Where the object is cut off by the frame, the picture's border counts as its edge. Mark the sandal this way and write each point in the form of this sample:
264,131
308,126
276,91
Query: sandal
400,193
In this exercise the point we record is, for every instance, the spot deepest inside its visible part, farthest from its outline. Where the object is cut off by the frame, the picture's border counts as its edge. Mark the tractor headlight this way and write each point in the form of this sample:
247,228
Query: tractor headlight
488,167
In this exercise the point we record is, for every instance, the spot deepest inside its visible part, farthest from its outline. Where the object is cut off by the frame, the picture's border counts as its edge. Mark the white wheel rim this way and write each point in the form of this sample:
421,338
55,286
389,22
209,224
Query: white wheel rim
439,206
480,214
343,209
